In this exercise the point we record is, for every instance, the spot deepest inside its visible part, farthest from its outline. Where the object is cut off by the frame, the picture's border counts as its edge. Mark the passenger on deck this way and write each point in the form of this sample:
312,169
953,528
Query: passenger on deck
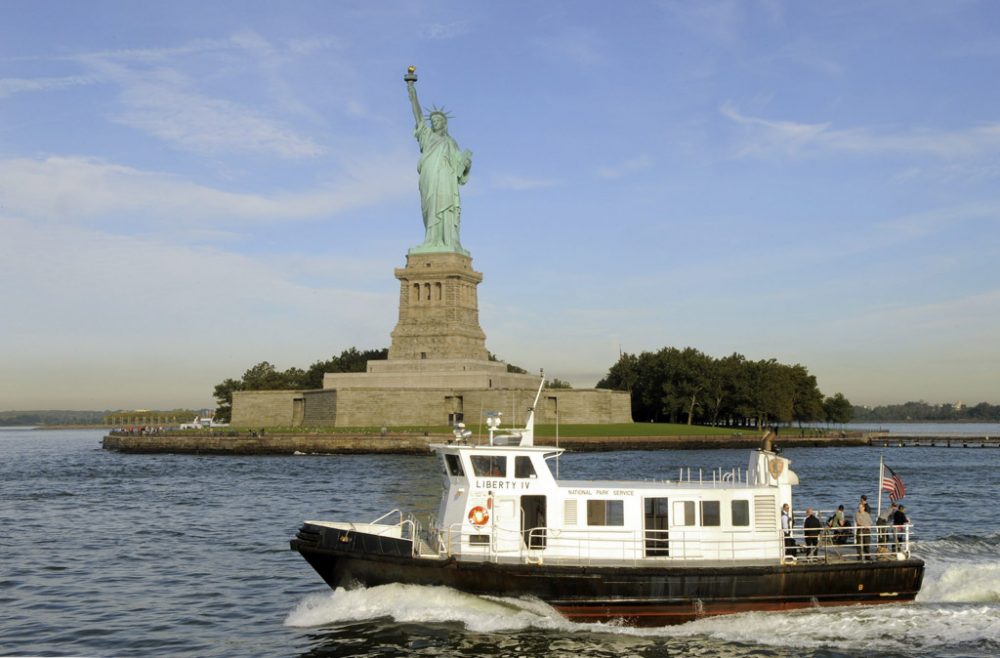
864,537
837,524
786,529
885,534
813,527
899,519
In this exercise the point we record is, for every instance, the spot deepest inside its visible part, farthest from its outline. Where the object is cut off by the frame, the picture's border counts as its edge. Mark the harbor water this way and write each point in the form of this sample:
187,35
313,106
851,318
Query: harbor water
108,554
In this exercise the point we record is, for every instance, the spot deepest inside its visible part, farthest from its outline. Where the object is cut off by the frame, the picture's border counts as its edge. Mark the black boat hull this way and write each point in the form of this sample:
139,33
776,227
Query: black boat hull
638,595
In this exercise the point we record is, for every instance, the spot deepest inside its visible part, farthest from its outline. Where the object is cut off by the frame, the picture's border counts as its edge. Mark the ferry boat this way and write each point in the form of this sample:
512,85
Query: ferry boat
639,553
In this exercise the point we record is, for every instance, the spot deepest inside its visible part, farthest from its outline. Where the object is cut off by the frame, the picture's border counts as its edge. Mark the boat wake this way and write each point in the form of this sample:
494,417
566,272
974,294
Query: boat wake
948,615
420,604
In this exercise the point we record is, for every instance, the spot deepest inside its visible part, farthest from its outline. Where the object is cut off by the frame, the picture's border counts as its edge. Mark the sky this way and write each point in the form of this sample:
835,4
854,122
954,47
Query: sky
190,188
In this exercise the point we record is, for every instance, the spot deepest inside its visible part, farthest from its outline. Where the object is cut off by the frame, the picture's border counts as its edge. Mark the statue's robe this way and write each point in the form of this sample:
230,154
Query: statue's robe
442,168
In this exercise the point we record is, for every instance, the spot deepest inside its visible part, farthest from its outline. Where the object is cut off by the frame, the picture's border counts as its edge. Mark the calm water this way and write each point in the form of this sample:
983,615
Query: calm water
103,554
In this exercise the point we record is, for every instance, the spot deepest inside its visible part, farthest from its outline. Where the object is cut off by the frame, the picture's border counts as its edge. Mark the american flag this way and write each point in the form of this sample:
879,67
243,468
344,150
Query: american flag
893,484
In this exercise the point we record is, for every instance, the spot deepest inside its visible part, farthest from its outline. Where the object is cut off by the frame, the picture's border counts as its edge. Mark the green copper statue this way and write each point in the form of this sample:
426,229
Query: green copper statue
442,168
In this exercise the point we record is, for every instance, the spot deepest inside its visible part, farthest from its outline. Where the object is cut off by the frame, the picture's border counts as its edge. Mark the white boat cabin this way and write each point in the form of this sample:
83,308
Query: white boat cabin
503,502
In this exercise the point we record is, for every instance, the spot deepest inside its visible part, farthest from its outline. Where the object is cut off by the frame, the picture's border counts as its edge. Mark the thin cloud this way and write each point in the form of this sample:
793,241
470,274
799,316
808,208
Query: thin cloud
155,296
522,183
720,21
63,189
11,86
441,31
626,168
936,221
165,102
768,136
578,46
209,126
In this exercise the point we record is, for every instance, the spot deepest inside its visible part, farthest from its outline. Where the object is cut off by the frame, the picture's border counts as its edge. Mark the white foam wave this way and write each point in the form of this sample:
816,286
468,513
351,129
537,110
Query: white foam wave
880,628
873,629
413,603
961,583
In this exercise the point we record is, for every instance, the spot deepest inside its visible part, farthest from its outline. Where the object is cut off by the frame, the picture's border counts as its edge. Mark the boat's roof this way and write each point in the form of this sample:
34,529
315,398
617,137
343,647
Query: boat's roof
648,485
469,447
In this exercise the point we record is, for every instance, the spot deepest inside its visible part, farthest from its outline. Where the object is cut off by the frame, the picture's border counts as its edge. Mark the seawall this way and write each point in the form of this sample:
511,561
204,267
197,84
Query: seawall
417,444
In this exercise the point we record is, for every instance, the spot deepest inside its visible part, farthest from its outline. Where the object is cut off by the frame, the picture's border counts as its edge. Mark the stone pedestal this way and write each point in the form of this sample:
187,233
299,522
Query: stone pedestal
438,309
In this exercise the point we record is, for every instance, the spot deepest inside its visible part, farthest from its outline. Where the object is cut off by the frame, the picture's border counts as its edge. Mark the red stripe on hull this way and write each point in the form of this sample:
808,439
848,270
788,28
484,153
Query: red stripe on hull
663,615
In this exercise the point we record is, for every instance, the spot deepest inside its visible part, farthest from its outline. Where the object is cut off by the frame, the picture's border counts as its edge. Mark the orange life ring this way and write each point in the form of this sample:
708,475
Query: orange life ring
479,516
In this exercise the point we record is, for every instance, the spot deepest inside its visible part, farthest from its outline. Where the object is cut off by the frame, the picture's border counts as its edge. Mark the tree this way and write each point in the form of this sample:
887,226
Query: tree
555,382
510,366
224,399
807,401
838,409
350,360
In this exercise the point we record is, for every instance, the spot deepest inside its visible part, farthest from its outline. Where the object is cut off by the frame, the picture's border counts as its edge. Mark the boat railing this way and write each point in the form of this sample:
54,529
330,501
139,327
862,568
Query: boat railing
620,546
407,526
848,543
597,545
397,512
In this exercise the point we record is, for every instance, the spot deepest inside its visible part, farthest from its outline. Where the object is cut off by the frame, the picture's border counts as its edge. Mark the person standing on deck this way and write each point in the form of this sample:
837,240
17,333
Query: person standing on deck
864,533
813,528
786,529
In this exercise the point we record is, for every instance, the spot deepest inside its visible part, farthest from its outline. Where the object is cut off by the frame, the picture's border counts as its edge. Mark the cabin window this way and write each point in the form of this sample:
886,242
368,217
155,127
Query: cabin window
479,540
489,466
683,512
605,512
741,512
523,467
710,514
454,465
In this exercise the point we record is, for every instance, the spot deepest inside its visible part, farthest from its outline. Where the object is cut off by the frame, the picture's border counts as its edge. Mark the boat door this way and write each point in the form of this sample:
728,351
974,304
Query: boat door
533,521
656,531
506,525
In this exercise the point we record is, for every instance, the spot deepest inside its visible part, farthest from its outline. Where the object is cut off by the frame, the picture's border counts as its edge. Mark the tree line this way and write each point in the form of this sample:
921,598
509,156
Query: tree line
670,385
265,377
50,417
925,412
687,386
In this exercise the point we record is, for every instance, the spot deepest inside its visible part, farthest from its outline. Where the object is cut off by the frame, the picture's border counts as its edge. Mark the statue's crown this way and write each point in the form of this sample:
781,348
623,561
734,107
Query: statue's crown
440,111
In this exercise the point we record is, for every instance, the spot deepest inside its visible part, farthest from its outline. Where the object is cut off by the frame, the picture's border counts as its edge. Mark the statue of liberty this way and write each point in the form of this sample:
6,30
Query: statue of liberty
442,168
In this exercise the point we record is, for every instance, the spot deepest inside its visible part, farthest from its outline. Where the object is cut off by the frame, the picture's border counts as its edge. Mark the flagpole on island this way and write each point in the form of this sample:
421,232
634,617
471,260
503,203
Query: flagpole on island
881,474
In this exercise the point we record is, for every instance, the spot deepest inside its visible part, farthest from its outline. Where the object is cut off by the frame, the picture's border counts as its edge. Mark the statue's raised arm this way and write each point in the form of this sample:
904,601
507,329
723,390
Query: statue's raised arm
443,167
411,89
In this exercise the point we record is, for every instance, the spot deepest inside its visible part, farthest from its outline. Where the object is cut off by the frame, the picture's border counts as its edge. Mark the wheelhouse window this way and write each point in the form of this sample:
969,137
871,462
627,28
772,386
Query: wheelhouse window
741,512
605,512
710,514
523,467
489,466
454,465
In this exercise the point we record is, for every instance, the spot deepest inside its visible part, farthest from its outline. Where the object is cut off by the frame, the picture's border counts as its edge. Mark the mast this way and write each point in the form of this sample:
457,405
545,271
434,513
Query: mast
881,472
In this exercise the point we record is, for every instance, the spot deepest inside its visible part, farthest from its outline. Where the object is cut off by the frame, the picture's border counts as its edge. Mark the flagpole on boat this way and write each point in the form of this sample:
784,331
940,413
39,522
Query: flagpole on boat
881,473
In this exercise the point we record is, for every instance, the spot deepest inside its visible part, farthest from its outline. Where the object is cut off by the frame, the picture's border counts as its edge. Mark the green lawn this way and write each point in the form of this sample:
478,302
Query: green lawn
618,429
640,429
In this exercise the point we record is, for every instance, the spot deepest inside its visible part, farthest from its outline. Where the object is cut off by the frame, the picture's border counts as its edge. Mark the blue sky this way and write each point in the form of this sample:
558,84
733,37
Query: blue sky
187,190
